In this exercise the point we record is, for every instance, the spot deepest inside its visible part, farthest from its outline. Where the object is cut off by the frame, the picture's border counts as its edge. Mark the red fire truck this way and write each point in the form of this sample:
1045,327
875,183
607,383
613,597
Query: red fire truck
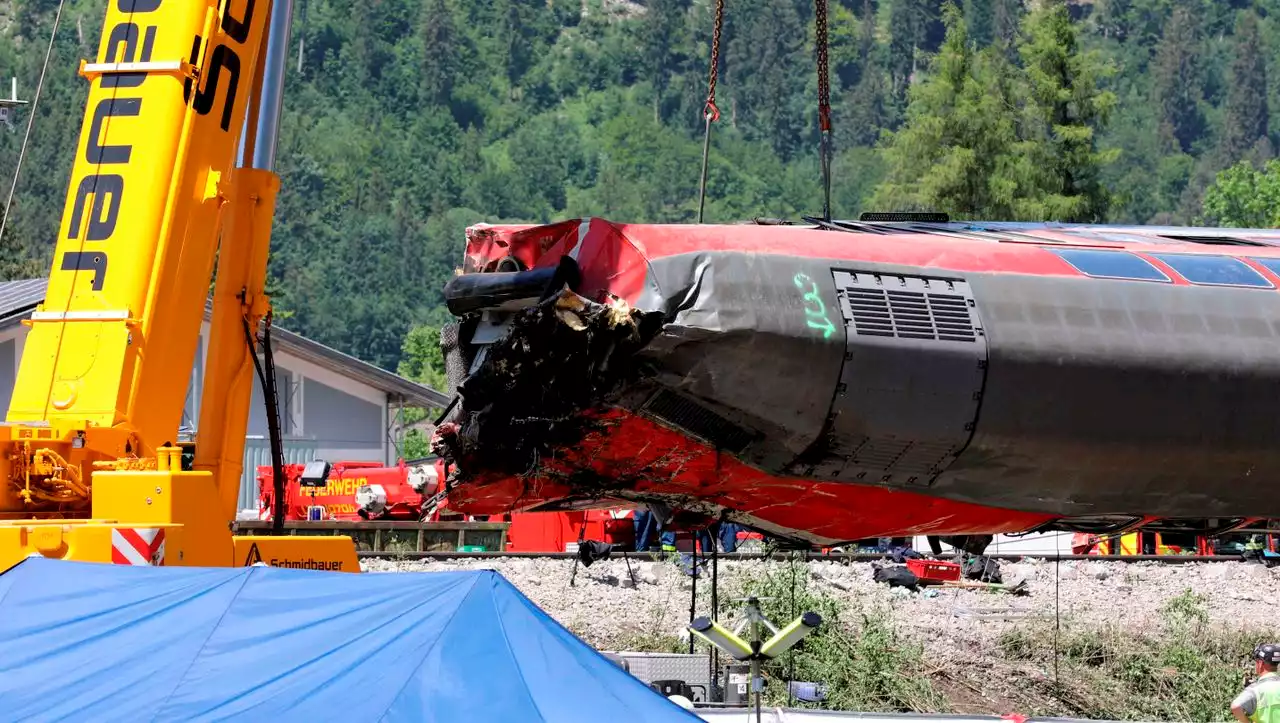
355,492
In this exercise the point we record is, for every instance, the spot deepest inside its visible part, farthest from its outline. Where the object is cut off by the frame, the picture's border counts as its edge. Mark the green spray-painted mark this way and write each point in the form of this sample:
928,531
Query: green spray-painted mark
815,311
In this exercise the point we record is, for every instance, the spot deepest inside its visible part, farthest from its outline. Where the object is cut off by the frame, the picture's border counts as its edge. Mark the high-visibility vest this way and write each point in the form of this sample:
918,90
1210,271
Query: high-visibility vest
1267,688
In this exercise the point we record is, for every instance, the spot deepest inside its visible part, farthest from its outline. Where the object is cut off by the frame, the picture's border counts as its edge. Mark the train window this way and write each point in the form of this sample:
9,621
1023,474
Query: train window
1214,270
1272,265
1111,264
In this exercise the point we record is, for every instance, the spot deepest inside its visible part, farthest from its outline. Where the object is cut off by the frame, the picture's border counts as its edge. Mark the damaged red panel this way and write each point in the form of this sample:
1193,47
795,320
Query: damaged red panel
847,385
665,465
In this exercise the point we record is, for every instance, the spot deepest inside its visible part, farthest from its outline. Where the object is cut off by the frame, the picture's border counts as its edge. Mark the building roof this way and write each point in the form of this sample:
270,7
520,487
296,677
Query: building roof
19,298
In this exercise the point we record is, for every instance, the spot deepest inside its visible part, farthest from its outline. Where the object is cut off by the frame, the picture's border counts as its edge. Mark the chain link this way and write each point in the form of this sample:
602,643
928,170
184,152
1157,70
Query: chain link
711,110
824,102
824,75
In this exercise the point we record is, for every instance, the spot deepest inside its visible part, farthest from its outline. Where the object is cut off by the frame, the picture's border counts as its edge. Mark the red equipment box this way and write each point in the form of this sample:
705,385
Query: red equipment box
934,570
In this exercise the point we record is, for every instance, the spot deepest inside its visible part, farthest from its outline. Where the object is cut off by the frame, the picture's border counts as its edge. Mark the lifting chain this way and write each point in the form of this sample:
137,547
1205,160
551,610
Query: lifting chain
710,112
824,102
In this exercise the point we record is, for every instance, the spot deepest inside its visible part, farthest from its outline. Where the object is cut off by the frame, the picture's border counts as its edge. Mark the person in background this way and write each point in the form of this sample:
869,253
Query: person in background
668,540
728,534
646,524
1253,548
1260,702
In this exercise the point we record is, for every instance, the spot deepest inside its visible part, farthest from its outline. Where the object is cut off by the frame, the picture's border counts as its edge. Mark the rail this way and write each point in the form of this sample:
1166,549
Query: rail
785,555
456,539
395,538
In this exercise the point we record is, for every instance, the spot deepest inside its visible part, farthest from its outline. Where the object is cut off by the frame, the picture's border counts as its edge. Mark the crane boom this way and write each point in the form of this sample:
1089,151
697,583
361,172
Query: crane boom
155,198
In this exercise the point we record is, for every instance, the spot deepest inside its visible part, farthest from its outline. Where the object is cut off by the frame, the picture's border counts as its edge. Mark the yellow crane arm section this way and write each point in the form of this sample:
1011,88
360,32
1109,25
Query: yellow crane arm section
90,464
116,336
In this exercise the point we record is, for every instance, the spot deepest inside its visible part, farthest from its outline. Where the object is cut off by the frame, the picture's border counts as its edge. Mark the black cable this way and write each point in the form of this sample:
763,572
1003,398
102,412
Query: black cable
715,615
693,596
791,654
267,378
1057,617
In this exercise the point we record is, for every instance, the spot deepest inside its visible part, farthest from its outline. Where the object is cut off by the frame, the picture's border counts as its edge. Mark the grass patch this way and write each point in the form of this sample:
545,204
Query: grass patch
1184,669
650,642
857,653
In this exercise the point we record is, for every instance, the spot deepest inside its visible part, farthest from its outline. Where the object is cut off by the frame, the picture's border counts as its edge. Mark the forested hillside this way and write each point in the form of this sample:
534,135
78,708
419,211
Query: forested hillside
407,120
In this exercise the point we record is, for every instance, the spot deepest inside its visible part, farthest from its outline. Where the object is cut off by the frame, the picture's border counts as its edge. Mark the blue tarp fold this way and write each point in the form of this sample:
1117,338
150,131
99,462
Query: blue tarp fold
84,641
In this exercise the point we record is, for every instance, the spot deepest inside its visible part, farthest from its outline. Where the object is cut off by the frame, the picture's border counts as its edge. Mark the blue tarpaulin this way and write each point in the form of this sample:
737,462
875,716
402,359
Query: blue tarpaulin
96,642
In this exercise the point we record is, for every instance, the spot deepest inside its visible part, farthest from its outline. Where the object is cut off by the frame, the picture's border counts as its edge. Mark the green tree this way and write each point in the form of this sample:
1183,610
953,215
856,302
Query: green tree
1244,197
956,150
1178,81
906,25
422,359
440,49
979,19
1068,108
867,104
1246,117
765,58
423,362
1006,18
659,43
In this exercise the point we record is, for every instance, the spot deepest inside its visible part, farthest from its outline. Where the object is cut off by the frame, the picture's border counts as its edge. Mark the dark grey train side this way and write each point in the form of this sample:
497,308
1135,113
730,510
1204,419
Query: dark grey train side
1071,396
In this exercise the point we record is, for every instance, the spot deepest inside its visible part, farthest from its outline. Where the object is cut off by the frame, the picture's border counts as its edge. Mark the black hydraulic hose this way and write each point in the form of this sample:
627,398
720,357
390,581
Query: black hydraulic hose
272,398
473,292
267,378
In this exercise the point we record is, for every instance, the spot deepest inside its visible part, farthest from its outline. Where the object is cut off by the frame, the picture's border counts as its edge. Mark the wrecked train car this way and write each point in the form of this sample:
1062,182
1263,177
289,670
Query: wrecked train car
875,378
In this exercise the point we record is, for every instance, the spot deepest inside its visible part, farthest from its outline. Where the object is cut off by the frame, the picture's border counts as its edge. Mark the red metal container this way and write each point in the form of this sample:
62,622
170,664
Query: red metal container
935,570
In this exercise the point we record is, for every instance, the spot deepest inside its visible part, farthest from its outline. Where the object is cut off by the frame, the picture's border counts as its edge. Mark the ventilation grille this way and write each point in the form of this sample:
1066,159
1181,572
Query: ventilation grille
901,456
906,308
681,412
904,217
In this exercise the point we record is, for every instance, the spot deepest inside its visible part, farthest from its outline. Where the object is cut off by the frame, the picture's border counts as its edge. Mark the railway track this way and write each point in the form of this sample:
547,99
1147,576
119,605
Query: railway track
447,537
785,555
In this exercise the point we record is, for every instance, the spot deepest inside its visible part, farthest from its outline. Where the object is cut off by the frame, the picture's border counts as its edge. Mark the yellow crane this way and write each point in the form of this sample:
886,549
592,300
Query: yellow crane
179,91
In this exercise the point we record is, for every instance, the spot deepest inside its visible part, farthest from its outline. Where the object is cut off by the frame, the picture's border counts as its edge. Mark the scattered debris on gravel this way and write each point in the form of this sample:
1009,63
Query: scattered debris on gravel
965,634
604,609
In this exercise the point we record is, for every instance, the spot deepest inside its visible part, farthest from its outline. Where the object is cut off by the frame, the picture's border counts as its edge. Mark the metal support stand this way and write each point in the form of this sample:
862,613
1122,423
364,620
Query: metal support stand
715,694
693,596
630,574
582,536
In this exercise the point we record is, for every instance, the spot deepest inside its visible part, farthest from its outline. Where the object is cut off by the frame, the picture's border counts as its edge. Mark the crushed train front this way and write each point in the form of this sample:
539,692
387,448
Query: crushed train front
833,386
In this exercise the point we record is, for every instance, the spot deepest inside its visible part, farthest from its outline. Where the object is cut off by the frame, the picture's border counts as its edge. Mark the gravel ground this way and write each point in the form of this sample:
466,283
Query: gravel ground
608,612
960,630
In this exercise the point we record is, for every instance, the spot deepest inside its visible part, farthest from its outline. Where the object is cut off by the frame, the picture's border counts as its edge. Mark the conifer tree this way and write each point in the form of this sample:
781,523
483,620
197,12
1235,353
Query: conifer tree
439,51
978,19
1246,105
657,38
1006,15
956,149
1066,109
1178,83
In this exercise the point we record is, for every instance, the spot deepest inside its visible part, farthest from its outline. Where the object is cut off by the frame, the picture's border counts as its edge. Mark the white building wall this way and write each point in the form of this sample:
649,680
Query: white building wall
1041,543
371,434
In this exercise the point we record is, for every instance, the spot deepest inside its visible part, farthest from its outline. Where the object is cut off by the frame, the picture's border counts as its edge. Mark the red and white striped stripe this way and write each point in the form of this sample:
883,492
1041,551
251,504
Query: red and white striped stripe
137,546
